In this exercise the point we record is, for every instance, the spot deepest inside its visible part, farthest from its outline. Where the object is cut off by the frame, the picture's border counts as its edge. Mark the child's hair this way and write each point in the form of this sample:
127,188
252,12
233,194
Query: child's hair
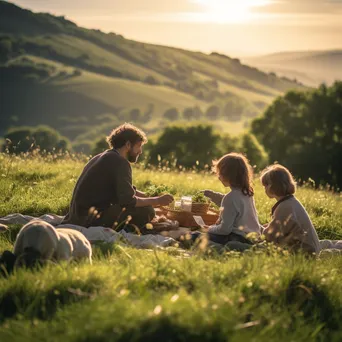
235,169
279,180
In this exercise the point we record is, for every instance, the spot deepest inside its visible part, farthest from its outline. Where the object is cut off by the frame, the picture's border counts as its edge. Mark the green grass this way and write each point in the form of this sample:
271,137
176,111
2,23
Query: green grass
116,92
166,294
106,100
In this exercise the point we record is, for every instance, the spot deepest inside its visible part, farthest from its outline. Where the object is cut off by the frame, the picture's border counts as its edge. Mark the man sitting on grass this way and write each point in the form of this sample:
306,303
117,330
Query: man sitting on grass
104,194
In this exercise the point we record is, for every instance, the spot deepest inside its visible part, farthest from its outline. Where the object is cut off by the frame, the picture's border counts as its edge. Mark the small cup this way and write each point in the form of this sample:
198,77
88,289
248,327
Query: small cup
186,203
178,204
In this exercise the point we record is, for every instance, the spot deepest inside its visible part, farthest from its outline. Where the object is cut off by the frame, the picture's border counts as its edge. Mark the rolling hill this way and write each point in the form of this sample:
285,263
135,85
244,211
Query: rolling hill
83,81
309,67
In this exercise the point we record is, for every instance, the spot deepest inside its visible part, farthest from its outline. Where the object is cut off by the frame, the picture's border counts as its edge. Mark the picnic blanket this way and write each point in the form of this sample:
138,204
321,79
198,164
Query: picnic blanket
94,234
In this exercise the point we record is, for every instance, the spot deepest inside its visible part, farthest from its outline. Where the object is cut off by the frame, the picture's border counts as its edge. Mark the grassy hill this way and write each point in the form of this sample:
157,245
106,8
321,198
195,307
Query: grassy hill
309,67
166,294
74,79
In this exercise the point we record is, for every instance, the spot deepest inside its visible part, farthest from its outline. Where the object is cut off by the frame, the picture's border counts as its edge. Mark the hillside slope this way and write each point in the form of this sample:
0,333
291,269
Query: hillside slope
60,70
310,67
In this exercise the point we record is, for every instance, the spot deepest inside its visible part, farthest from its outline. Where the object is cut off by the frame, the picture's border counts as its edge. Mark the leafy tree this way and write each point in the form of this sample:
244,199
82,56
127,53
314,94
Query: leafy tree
233,110
151,80
197,112
18,140
77,72
228,144
171,114
187,145
147,116
254,151
188,113
25,139
100,146
213,112
82,147
5,49
303,131
192,113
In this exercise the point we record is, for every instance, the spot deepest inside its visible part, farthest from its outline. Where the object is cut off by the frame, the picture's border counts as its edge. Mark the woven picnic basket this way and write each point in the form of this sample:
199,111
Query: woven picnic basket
186,218
200,208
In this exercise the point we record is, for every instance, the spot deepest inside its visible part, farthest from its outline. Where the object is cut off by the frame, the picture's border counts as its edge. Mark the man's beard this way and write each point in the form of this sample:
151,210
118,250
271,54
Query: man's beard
132,157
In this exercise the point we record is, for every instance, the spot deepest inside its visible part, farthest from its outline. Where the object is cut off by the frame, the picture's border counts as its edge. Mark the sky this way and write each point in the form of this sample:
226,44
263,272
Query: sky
235,27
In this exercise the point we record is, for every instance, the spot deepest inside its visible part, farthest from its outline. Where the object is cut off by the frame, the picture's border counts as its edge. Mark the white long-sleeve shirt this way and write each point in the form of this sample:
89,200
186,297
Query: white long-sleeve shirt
238,216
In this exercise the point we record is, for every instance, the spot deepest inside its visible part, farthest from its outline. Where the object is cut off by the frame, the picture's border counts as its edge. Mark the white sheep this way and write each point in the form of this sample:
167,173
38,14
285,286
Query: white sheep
40,241
37,236
72,245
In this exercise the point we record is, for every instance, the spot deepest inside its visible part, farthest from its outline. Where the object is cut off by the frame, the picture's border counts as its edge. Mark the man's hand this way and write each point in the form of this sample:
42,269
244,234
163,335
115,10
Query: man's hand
140,194
154,201
165,199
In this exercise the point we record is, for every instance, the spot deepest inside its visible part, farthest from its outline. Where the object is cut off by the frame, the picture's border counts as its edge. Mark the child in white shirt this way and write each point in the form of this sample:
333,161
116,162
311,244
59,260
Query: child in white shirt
238,215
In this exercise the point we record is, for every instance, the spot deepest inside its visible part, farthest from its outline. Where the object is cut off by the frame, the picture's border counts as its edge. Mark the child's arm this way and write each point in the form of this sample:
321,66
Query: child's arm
228,216
215,197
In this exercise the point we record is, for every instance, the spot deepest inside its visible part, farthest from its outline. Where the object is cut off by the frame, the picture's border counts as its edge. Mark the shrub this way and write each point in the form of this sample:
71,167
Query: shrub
254,151
302,130
100,146
171,114
186,145
213,112
26,139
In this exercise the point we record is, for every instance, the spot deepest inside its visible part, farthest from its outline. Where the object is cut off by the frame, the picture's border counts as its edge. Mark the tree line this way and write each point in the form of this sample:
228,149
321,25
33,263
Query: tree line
301,130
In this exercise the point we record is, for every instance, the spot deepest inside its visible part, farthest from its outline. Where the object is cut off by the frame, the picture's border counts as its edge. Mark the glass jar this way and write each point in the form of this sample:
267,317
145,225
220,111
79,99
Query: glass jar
186,203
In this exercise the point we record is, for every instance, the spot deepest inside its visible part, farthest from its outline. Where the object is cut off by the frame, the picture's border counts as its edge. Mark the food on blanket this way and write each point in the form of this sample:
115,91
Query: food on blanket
200,198
174,208
175,205
162,223
162,218
153,190
165,226
214,207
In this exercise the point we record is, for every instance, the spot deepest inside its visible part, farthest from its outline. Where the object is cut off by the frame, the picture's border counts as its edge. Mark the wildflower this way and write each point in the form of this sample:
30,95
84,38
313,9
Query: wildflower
149,226
174,298
187,236
203,243
157,310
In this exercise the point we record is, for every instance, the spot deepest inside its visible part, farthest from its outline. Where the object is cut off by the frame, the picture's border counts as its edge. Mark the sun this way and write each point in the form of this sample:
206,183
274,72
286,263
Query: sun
229,11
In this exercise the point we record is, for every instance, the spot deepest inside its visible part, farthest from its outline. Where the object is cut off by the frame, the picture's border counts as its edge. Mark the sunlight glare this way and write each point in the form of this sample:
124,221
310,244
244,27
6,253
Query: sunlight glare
230,11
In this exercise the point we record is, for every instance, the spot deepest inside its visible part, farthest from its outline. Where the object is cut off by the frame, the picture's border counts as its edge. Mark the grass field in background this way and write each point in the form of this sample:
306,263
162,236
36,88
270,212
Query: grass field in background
166,294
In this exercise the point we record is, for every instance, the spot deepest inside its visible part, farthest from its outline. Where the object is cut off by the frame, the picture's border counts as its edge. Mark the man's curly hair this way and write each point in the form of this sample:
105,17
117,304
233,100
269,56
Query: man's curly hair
124,133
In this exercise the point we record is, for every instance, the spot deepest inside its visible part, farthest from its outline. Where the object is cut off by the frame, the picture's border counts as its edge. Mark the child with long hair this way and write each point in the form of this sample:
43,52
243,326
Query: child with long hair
238,216
291,226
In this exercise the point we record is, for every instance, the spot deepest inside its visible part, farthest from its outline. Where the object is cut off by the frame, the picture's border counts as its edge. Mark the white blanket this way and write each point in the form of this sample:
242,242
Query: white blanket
108,235
94,234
